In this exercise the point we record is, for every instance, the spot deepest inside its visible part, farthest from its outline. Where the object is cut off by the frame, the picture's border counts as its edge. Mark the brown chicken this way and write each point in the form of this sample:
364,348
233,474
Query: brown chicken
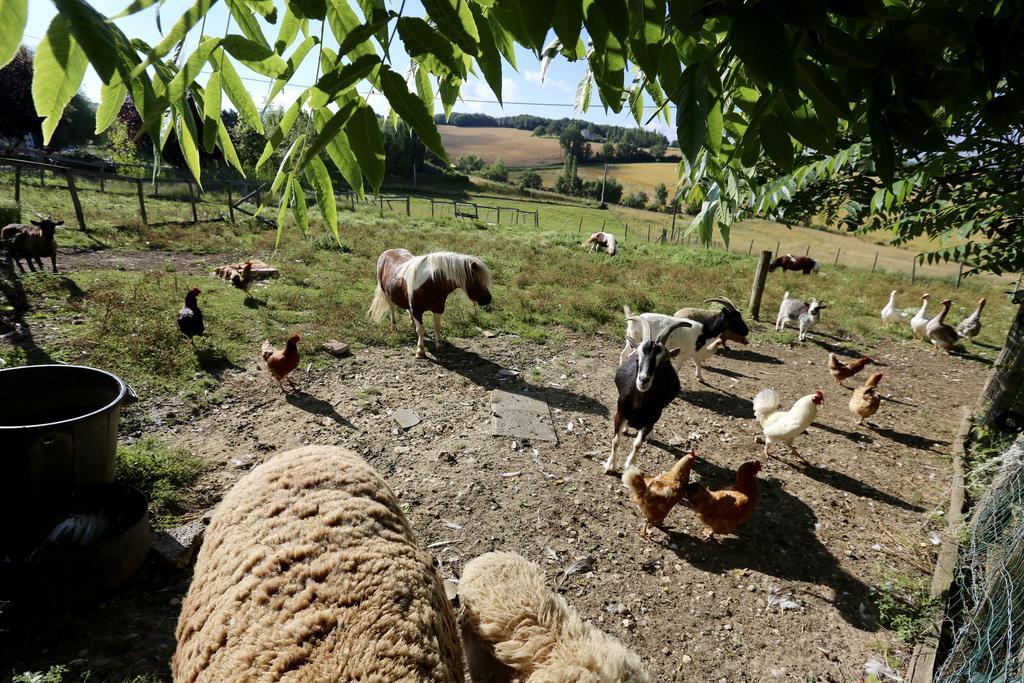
723,511
243,280
842,371
865,399
657,496
281,363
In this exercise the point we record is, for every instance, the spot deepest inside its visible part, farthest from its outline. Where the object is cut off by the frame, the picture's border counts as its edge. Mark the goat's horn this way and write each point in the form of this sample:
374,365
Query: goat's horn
721,300
645,324
663,337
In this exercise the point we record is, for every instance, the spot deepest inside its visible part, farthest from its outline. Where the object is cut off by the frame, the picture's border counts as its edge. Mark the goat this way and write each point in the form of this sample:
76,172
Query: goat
32,242
647,382
687,340
798,313
729,320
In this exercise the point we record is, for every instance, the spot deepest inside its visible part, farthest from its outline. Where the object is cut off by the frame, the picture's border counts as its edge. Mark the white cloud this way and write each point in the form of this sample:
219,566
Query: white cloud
535,77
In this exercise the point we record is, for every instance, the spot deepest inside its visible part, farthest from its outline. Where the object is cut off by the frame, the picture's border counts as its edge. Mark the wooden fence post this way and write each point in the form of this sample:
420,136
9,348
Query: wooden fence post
776,250
381,198
808,252
536,218
17,183
42,177
142,202
156,189
408,204
192,199
580,229
759,279
499,215
836,262
913,270
648,233
959,274
431,207
74,199
103,185
627,233
750,249
231,204
874,263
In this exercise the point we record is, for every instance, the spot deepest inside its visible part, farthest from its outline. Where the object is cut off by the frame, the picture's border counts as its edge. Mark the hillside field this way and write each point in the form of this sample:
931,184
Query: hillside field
638,177
517,148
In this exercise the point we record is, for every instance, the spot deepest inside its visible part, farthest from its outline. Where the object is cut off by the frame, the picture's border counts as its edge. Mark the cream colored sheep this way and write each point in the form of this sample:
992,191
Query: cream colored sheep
309,572
527,627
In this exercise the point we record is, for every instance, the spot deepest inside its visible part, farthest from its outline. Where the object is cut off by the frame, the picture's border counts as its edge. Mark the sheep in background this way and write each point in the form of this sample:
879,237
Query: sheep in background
513,618
803,315
32,242
309,571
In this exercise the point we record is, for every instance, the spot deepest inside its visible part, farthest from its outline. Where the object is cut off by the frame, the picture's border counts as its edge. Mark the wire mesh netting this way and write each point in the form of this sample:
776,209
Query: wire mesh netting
988,628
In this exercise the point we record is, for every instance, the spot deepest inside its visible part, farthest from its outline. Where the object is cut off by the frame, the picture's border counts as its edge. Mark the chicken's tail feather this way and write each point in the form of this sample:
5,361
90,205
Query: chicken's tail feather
267,350
633,479
380,306
765,403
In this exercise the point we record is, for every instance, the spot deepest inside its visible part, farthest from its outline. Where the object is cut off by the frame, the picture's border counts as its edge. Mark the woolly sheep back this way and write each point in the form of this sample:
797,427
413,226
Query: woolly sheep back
309,572
527,627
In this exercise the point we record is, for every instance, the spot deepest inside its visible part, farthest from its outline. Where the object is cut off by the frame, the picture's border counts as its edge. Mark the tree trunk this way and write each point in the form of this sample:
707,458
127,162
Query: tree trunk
1005,386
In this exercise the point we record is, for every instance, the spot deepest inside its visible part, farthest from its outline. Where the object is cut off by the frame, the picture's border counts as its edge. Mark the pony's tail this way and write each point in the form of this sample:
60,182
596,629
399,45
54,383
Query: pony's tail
380,306
816,268
612,246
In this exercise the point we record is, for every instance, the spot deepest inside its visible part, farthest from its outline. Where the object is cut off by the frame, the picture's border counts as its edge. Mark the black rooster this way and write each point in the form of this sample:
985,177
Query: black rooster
190,318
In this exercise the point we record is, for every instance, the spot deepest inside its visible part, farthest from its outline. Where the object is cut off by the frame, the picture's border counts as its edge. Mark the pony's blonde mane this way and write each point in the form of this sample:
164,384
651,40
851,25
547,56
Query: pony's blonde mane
457,269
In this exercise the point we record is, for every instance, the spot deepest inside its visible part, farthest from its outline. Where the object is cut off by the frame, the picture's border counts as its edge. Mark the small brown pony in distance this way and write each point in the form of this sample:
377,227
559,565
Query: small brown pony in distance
790,262
422,283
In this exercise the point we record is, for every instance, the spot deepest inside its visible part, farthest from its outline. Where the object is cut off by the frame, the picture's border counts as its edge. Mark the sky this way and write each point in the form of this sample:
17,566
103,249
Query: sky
522,90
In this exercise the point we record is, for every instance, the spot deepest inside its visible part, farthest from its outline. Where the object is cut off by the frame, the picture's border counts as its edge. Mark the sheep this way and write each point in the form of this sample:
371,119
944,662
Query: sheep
309,572
798,313
647,382
32,242
688,340
523,628
728,319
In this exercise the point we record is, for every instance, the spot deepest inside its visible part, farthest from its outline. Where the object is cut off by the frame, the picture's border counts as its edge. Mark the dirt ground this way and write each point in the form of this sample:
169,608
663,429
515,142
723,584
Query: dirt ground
821,535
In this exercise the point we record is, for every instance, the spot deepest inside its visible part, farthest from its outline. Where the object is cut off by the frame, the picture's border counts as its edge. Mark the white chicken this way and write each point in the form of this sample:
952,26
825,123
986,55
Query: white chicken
891,314
920,319
784,427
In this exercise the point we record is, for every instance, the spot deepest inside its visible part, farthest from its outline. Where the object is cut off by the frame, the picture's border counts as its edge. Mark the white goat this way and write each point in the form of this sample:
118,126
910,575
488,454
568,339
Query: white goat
803,315
691,339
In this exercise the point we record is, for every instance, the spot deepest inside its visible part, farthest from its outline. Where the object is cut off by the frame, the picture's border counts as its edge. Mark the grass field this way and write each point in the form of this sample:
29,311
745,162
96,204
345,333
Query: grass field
515,147
638,177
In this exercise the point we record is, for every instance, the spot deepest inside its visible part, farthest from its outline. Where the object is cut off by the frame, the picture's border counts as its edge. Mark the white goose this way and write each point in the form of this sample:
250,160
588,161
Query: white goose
891,314
970,326
920,319
941,334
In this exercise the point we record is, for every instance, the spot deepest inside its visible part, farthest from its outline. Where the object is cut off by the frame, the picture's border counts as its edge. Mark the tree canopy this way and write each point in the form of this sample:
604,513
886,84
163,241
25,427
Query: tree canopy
780,80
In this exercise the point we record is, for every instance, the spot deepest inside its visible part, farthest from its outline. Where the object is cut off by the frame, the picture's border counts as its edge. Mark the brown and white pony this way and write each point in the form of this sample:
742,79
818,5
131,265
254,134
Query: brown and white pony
422,283
790,262
602,240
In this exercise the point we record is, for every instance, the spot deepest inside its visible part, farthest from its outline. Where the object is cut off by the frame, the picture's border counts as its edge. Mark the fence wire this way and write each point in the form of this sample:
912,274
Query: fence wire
988,628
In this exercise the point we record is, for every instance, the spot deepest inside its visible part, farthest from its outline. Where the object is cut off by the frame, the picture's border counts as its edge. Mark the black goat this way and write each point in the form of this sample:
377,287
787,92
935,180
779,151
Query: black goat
646,383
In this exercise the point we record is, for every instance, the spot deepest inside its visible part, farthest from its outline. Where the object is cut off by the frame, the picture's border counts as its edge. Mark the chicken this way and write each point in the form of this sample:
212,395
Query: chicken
865,399
842,371
281,363
891,314
723,511
970,327
938,332
657,496
784,427
243,280
920,319
190,318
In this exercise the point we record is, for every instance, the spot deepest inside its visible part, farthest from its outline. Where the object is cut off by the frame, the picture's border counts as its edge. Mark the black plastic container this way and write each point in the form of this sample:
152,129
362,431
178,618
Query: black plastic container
58,431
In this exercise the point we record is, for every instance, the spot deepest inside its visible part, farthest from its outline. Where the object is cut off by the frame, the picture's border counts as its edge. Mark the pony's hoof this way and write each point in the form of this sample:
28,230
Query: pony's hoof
421,354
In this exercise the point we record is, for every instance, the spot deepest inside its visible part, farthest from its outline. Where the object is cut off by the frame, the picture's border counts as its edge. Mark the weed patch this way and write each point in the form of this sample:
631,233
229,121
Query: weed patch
904,606
162,473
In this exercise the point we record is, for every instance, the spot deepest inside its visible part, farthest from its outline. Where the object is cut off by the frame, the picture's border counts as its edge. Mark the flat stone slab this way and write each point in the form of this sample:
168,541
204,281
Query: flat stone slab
336,348
406,418
178,546
519,416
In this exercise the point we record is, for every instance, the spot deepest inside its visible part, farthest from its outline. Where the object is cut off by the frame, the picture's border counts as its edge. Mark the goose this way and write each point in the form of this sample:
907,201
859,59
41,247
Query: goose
920,319
941,334
891,314
970,326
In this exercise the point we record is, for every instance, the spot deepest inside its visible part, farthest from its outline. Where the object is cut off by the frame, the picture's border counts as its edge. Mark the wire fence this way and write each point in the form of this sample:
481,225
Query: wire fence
988,605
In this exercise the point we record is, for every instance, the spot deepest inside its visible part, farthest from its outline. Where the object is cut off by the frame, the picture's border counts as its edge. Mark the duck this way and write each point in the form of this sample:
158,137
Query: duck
920,319
970,326
941,334
891,314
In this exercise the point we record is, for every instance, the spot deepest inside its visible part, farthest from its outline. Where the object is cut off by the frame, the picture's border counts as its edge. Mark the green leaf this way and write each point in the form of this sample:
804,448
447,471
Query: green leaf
344,22
137,6
284,170
454,19
190,69
647,19
246,21
776,142
843,49
185,131
448,88
282,212
284,126
111,99
567,20
323,189
489,58
340,152
822,90
684,15
288,31
299,206
228,148
236,91
412,111
336,82
715,128
308,9
636,104
425,90
761,41
293,64
582,100
246,50
692,107
13,16
181,27
803,125
93,34
360,35
58,72
527,20
367,145
211,110
329,129
429,47
503,39
881,143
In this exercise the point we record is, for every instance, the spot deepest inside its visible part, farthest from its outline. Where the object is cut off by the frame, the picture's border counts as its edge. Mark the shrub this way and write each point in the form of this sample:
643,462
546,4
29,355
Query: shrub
635,200
496,171
10,212
468,163
530,180
660,194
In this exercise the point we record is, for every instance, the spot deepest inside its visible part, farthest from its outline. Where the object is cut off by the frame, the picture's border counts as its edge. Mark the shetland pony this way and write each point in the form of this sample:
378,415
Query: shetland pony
602,240
422,283
790,262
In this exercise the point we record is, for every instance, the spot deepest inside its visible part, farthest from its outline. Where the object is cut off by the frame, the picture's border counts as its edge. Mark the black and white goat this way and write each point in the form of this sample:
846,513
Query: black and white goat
647,382
688,340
